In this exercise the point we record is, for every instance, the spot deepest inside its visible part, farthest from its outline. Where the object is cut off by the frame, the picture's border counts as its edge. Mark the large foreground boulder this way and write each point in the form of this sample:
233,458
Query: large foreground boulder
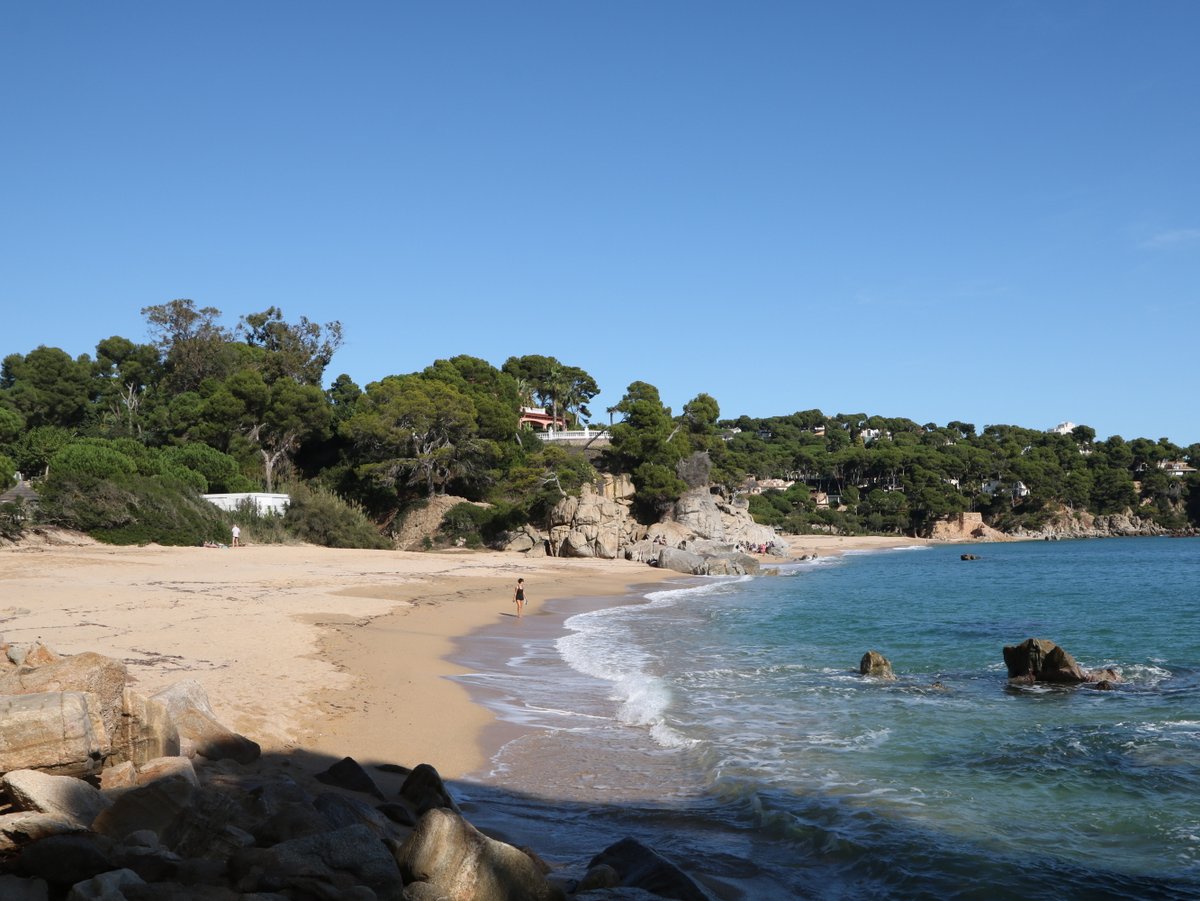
59,732
457,862
724,564
187,703
1041,660
60,795
88,672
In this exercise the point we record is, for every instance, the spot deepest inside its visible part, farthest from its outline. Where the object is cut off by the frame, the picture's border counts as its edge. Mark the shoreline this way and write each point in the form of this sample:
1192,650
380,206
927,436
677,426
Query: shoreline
309,649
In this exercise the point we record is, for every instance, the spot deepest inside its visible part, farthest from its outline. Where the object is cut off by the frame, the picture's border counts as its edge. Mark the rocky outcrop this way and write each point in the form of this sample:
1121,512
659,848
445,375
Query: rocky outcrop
964,527
728,563
449,858
711,517
166,827
526,540
422,524
1040,660
187,704
59,732
591,526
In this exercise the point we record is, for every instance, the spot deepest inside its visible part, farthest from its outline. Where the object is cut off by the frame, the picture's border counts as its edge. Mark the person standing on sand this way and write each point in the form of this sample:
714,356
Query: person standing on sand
519,596
237,537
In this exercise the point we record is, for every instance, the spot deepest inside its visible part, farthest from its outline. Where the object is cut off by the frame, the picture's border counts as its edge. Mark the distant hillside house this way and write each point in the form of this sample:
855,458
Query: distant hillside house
758,486
1063,428
265,504
993,487
1176,468
540,419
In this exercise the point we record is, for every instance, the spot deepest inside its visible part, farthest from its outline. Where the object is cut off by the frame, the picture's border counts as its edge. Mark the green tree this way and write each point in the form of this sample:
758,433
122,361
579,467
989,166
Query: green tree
34,449
555,385
409,427
122,373
12,424
648,445
299,351
47,387
193,344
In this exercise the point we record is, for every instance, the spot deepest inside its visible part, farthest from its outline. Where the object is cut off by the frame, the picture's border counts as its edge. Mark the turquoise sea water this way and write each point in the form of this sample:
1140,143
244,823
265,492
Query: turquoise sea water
725,724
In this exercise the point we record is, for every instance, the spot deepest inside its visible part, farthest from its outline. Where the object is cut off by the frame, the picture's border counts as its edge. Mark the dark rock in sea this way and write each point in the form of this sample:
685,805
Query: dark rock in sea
1104,685
1041,660
644,868
876,665
968,557
346,773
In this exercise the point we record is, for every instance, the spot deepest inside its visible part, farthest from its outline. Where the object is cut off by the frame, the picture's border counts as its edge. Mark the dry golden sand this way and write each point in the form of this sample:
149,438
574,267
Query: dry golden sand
338,652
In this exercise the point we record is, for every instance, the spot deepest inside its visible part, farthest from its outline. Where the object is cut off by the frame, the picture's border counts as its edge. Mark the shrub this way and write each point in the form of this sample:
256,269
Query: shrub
132,509
464,522
319,516
90,460
220,470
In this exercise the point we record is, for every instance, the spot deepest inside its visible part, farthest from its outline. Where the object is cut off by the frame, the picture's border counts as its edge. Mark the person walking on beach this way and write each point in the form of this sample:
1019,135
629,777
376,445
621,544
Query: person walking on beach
237,537
519,596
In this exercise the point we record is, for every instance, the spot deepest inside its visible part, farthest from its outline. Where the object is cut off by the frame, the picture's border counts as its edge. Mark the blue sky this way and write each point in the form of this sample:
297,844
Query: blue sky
987,212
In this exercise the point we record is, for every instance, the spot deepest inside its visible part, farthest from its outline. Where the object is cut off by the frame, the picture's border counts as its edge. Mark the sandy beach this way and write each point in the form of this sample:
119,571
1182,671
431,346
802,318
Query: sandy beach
336,652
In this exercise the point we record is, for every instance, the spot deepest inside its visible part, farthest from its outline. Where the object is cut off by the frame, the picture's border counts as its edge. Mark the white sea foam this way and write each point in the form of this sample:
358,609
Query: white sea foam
597,646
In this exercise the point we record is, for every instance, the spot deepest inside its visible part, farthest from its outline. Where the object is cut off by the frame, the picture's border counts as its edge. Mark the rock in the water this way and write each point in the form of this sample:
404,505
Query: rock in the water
188,705
462,864
60,732
643,867
875,664
1041,660
61,795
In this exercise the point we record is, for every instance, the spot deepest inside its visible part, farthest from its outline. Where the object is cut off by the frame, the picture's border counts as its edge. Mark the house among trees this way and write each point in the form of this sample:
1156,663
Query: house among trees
540,419
1176,468
993,487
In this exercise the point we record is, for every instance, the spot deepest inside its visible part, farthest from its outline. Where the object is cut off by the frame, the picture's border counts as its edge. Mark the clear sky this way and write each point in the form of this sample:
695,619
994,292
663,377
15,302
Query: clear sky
987,212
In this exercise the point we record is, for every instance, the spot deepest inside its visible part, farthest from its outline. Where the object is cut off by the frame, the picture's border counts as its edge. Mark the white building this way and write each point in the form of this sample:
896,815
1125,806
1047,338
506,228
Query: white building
265,504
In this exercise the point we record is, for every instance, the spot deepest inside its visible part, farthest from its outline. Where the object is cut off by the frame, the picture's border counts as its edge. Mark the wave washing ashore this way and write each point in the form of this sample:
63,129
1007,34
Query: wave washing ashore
724,724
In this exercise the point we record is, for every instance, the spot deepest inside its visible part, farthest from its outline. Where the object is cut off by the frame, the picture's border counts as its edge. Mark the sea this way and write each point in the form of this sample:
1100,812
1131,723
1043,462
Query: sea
722,721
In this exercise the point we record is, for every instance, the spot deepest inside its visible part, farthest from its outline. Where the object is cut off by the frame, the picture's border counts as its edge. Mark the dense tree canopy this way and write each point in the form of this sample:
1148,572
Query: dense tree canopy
202,407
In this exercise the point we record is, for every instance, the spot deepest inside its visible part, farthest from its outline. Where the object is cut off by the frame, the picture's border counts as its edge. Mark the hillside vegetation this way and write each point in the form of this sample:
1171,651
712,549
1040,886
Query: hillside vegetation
122,443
